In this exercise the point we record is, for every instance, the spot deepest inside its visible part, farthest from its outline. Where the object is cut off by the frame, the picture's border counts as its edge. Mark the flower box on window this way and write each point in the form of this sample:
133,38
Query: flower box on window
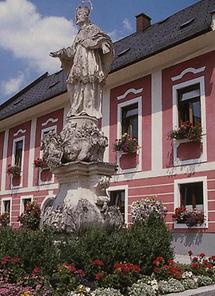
14,170
126,144
187,131
40,163
189,217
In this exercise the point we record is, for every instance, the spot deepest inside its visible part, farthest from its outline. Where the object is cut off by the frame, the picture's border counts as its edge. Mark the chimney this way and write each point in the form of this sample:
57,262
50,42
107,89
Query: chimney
143,21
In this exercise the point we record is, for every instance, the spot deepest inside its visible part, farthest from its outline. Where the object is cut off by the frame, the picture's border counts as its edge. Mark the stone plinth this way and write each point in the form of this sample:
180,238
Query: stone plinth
82,199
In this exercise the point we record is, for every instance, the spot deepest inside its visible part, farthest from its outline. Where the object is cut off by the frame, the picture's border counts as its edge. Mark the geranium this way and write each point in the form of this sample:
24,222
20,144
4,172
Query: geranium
40,163
127,267
164,271
70,267
97,262
14,170
126,144
140,210
36,270
99,276
187,131
189,217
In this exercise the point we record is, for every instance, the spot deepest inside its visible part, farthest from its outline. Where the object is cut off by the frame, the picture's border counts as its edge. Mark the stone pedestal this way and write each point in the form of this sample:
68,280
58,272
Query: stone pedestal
82,199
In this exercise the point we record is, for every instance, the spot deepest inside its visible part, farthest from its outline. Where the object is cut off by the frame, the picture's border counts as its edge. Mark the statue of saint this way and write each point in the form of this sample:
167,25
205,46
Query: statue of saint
87,63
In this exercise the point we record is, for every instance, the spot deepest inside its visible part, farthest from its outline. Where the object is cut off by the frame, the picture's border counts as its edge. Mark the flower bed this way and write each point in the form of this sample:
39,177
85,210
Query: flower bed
187,131
99,261
188,217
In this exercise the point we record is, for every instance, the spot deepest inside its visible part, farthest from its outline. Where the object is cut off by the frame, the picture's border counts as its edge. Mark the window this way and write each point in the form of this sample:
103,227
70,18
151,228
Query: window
130,120
189,105
191,196
6,206
23,203
18,153
117,198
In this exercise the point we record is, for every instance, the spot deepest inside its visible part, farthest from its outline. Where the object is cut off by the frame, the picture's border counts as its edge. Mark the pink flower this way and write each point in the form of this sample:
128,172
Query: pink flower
5,260
36,270
70,267
99,276
97,262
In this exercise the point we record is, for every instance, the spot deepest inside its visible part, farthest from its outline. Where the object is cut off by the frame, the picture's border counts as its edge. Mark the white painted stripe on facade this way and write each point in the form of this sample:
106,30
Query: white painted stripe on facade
4,162
151,195
106,120
31,153
156,121
188,70
32,189
166,172
211,211
150,186
211,200
200,168
168,203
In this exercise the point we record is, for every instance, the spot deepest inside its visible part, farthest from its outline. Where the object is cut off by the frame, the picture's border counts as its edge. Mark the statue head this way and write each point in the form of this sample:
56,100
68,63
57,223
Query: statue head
82,14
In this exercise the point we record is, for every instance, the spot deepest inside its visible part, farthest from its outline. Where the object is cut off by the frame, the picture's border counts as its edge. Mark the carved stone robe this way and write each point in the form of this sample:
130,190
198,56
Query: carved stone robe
87,66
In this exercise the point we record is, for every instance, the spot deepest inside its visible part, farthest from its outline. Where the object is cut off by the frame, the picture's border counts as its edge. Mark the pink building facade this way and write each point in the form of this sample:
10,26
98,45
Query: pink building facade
147,97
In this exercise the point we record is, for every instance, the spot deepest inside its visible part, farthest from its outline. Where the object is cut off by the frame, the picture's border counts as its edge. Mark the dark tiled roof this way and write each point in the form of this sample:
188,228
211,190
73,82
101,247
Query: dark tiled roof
184,25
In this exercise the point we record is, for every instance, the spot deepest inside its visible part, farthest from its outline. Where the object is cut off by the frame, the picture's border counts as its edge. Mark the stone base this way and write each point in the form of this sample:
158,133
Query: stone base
82,199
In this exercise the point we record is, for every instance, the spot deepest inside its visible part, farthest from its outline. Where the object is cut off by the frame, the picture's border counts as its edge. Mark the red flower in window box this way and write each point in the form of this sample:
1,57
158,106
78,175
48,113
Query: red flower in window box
126,144
190,218
187,131
14,170
40,163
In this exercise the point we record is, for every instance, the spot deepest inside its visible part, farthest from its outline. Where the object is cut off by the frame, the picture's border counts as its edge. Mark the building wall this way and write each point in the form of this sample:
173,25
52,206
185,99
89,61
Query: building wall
151,173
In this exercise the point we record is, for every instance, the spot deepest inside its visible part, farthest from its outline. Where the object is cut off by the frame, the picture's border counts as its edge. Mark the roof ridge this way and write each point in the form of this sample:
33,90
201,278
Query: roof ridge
25,89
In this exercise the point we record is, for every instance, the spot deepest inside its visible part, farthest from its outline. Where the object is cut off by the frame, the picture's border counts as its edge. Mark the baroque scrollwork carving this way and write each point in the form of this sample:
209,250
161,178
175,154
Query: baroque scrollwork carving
78,141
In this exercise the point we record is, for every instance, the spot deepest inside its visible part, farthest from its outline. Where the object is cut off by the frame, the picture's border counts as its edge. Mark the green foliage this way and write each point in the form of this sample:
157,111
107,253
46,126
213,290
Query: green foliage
35,248
136,245
63,281
30,219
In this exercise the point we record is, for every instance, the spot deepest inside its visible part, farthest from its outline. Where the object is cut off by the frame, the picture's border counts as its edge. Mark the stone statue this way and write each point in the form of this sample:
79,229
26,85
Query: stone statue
87,63
75,155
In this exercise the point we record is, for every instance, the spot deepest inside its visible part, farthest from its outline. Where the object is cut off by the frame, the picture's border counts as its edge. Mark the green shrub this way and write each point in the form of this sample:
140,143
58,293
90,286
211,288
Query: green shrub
35,248
30,219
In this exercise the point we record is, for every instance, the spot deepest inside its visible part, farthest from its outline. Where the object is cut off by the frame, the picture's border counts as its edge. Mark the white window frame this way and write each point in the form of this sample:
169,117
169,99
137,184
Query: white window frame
121,188
22,198
2,206
176,143
13,160
177,199
43,131
140,132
